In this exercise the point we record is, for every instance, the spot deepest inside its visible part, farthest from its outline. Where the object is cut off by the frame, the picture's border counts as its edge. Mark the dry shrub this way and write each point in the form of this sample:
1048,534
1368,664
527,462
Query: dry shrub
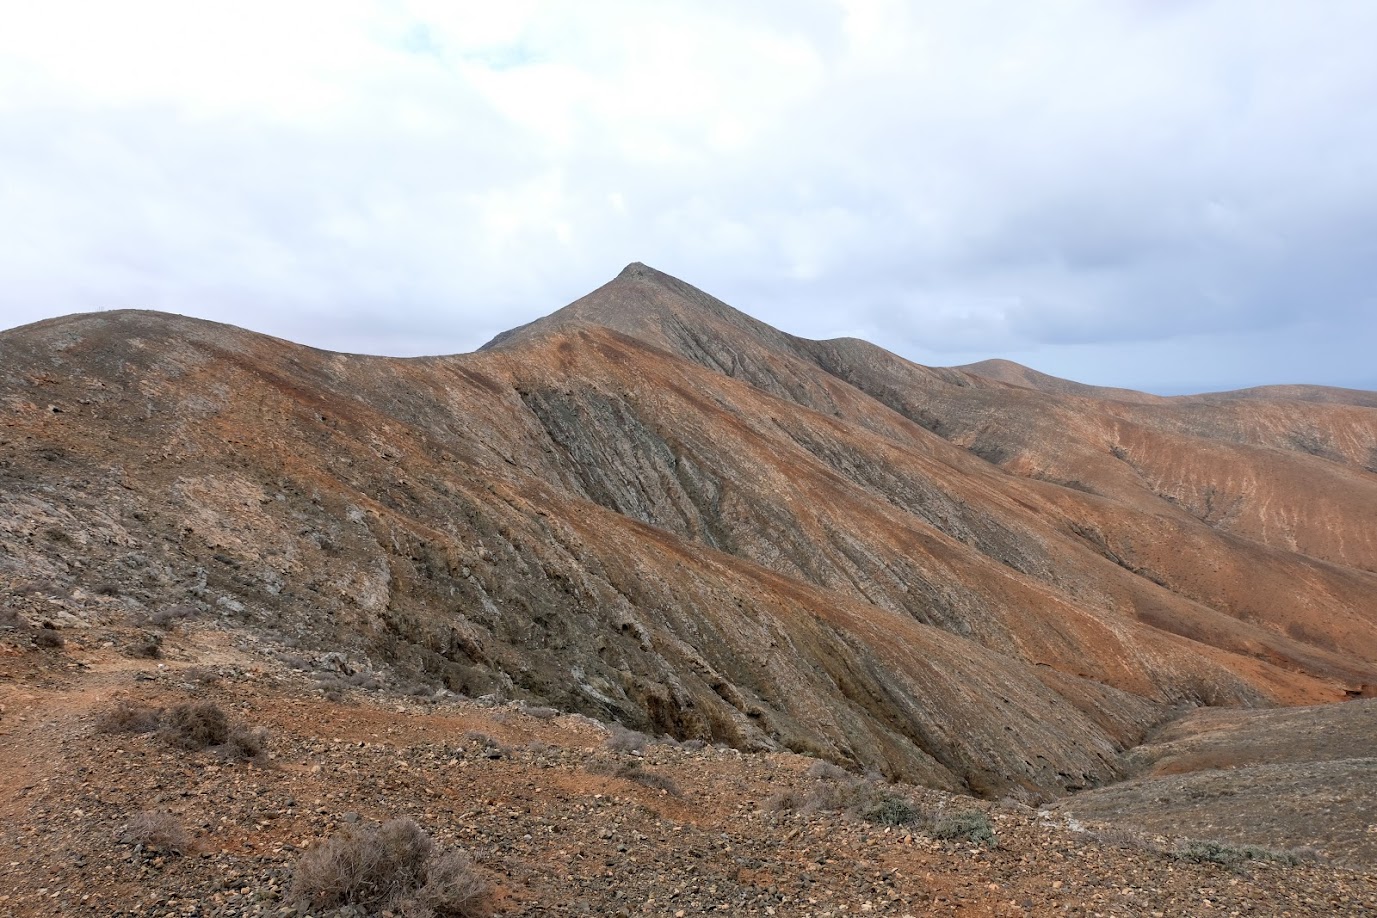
1233,857
620,739
202,675
636,773
156,831
454,888
828,772
391,866
1124,837
204,725
47,637
969,826
869,800
785,801
889,810
128,717
491,747
245,742
168,617
146,647
196,725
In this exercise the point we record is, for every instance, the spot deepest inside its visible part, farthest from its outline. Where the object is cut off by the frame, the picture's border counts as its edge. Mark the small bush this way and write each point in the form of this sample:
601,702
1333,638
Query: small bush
48,638
168,617
454,888
839,796
491,747
1124,837
969,826
155,831
245,742
394,866
785,801
827,771
1235,856
128,717
196,725
364,679
146,647
838,791
620,739
890,810
636,773
202,675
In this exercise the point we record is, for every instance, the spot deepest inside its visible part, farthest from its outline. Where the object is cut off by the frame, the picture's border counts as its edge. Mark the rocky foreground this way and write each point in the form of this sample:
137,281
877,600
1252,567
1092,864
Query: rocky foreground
562,815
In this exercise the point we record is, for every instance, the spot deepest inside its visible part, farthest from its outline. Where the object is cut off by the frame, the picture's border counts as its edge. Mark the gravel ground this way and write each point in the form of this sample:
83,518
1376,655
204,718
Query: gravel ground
560,823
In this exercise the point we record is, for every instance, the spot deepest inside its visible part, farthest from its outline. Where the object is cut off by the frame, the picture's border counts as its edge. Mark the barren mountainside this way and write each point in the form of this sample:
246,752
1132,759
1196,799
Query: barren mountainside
649,507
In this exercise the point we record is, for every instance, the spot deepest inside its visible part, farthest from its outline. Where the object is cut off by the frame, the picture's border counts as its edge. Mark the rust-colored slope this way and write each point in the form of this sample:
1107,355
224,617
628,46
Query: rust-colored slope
832,503
1240,469
1292,475
654,508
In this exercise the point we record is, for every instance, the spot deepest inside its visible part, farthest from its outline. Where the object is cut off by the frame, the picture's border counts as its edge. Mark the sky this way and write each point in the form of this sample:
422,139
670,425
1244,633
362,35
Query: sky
1162,194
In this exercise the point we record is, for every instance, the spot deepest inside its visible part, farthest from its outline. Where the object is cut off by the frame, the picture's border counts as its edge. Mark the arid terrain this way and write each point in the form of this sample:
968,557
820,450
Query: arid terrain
560,818
1111,622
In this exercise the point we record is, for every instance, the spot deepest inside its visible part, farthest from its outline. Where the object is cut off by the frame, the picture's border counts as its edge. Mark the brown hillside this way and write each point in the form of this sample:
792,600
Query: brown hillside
651,508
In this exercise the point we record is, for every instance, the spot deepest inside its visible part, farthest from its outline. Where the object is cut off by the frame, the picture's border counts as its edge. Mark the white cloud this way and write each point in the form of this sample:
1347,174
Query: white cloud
959,179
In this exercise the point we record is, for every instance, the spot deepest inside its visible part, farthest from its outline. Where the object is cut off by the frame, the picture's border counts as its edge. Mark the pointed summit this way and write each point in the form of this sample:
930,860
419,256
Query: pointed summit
657,308
667,313
641,269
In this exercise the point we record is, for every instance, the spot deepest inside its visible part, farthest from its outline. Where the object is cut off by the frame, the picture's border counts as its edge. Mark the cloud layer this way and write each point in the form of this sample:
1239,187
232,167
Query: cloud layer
1169,195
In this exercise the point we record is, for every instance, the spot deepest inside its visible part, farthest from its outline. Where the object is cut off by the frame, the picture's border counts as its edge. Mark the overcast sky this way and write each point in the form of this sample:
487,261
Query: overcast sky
1163,194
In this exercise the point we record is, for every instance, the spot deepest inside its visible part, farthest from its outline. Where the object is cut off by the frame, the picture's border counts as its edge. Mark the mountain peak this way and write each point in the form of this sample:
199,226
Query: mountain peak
648,304
638,269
